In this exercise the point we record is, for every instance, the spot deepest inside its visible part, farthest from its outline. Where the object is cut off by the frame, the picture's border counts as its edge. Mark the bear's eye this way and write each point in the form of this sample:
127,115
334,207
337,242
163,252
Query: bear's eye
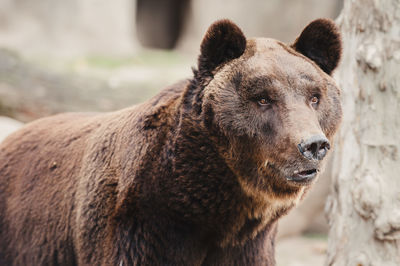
314,100
264,102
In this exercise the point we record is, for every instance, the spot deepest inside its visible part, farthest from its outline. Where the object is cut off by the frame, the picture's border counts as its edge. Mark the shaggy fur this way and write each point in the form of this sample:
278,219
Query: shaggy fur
321,42
198,175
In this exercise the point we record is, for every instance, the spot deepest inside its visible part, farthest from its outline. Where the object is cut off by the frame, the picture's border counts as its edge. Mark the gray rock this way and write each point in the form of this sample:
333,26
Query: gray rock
7,126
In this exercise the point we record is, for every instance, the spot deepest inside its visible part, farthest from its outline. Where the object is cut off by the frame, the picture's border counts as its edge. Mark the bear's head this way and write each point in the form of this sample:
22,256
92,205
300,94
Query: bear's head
273,107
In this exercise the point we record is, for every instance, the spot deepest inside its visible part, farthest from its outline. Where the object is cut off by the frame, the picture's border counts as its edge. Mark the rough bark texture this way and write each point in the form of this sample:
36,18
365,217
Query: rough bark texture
364,208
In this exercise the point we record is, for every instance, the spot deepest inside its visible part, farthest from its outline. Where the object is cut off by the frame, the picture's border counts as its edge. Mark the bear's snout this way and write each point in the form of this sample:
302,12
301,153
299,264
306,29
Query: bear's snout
314,148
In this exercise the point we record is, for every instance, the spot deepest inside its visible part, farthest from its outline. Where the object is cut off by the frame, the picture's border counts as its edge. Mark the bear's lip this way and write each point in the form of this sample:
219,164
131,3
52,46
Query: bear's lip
303,177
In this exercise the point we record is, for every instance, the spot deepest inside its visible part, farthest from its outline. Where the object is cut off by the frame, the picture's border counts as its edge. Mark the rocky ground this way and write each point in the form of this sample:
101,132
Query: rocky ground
43,85
8,125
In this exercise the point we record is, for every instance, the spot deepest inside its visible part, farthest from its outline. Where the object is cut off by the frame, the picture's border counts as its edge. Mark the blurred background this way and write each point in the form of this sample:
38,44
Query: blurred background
101,55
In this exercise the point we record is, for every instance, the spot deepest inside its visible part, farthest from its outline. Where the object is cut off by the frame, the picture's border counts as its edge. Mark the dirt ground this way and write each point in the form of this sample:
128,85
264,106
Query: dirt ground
301,251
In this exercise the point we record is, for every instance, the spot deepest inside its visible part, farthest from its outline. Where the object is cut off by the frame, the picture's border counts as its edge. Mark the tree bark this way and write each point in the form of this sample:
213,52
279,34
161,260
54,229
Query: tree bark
364,206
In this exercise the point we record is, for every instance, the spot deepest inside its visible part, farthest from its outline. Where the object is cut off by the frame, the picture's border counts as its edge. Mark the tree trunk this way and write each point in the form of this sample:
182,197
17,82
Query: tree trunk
364,207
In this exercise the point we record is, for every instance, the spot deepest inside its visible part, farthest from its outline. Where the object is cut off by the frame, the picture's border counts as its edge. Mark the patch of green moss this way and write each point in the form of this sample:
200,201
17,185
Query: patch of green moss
316,236
144,58
5,110
107,62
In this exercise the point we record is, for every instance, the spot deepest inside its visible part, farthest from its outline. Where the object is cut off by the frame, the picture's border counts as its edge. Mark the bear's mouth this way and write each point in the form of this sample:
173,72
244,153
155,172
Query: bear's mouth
303,177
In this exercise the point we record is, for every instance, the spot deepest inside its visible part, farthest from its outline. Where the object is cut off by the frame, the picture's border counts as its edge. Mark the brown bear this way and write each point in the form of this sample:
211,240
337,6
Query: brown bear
197,175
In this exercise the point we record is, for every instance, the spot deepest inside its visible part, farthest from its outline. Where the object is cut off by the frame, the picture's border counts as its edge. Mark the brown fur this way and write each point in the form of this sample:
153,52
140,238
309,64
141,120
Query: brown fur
321,42
195,176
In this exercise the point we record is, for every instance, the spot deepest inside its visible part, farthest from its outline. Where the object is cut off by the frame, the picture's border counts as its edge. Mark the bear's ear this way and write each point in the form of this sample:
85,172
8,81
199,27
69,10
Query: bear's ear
321,42
223,42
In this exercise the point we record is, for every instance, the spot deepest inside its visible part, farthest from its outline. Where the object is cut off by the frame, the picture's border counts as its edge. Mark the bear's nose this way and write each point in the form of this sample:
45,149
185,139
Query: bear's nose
314,147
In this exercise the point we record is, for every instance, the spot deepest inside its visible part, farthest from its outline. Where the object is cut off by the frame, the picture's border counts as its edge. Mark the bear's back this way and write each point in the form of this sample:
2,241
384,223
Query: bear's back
39,167
45,164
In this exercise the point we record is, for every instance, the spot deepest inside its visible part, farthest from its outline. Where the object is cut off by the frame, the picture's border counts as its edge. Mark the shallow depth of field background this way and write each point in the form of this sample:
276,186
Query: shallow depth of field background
101,55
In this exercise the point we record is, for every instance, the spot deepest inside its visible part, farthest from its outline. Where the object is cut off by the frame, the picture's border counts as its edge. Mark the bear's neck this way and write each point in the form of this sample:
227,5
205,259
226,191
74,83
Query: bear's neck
206,192
195,187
